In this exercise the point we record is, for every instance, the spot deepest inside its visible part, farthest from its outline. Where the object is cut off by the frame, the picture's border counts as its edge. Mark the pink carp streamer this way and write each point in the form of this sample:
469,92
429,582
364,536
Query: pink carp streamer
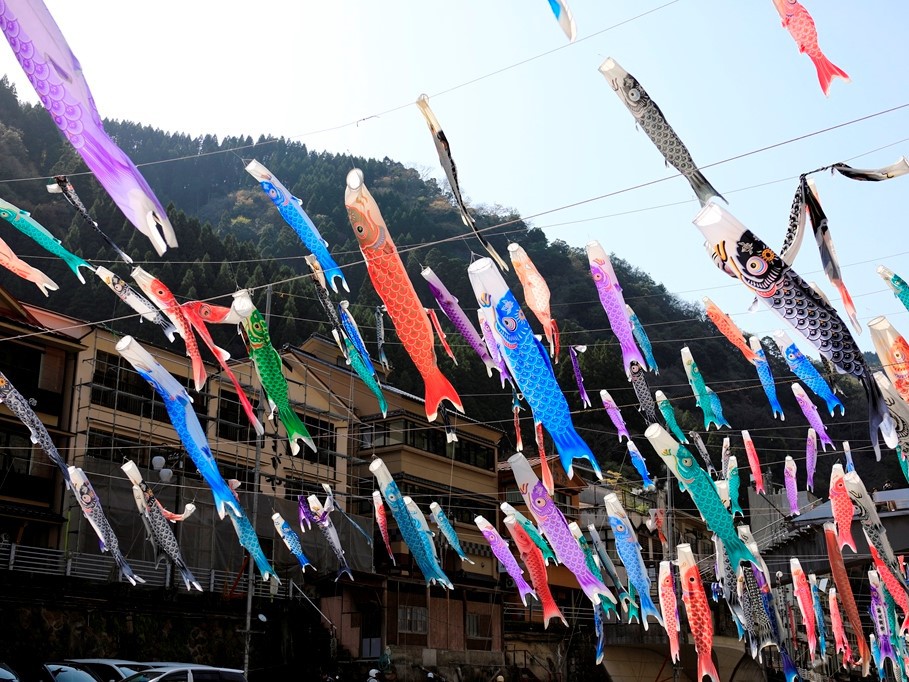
536,295
19,267
754,462
801,27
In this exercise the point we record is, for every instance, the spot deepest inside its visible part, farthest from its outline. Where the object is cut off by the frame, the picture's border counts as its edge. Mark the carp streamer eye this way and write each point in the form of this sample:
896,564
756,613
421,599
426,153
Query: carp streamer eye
756,265
540,502
509,323
686,461
359,228
634,95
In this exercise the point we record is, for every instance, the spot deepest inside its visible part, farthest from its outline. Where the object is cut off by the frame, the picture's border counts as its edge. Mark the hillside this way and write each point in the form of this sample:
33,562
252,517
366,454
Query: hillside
232,237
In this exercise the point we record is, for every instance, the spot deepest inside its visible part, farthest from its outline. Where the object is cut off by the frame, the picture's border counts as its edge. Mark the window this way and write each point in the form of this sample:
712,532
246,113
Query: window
117,385
472,453
428,438
367,436
22,365
563,502
233,424
103,445
206,676
413,619
513,497
37,374
478,626
458,507
16,452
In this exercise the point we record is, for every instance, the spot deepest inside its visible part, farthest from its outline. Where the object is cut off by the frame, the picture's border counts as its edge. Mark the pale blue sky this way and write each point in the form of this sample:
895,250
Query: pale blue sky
550,132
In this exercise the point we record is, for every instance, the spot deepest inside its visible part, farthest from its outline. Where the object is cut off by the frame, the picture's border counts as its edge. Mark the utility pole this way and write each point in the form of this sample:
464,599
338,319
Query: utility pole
251,577
669,528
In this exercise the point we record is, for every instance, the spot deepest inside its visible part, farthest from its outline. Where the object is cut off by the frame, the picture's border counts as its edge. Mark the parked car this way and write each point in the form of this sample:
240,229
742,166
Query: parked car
109,669
7,674
193,673
55,672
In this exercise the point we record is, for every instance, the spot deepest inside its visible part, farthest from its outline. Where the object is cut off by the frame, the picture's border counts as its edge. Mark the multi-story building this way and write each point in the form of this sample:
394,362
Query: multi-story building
100,413
41,363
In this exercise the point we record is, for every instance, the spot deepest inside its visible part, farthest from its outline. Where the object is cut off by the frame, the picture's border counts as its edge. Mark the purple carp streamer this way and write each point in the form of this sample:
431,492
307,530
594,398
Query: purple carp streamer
452,309
614,414
502,552
811,457
443,149
578,377
809,409
610,293
56,75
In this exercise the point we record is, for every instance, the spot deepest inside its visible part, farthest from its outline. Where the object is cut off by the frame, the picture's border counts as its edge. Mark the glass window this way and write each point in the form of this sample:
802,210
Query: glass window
206,676
232,677
115,384
15,451
22,366
103,445
65,673
413,619
478,626
367,436
233,424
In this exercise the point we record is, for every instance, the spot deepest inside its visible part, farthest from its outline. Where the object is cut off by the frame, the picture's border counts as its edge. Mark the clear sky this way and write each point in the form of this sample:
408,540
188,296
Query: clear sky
549,132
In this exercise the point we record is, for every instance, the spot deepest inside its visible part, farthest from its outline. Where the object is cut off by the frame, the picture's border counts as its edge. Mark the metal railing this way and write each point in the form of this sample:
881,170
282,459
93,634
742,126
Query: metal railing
102,568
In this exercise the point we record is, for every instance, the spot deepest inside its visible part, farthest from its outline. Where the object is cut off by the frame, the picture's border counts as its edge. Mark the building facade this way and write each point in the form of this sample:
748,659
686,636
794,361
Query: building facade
100,413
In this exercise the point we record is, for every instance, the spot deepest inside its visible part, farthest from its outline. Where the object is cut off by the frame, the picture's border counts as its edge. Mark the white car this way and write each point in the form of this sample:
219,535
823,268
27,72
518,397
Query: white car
191,673
110,669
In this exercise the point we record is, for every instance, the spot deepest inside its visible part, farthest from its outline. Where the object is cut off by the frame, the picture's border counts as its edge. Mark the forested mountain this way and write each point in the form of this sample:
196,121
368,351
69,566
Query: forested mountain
231,237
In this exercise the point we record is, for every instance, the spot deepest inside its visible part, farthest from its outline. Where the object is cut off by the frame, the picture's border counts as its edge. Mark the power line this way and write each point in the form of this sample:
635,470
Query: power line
384,112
